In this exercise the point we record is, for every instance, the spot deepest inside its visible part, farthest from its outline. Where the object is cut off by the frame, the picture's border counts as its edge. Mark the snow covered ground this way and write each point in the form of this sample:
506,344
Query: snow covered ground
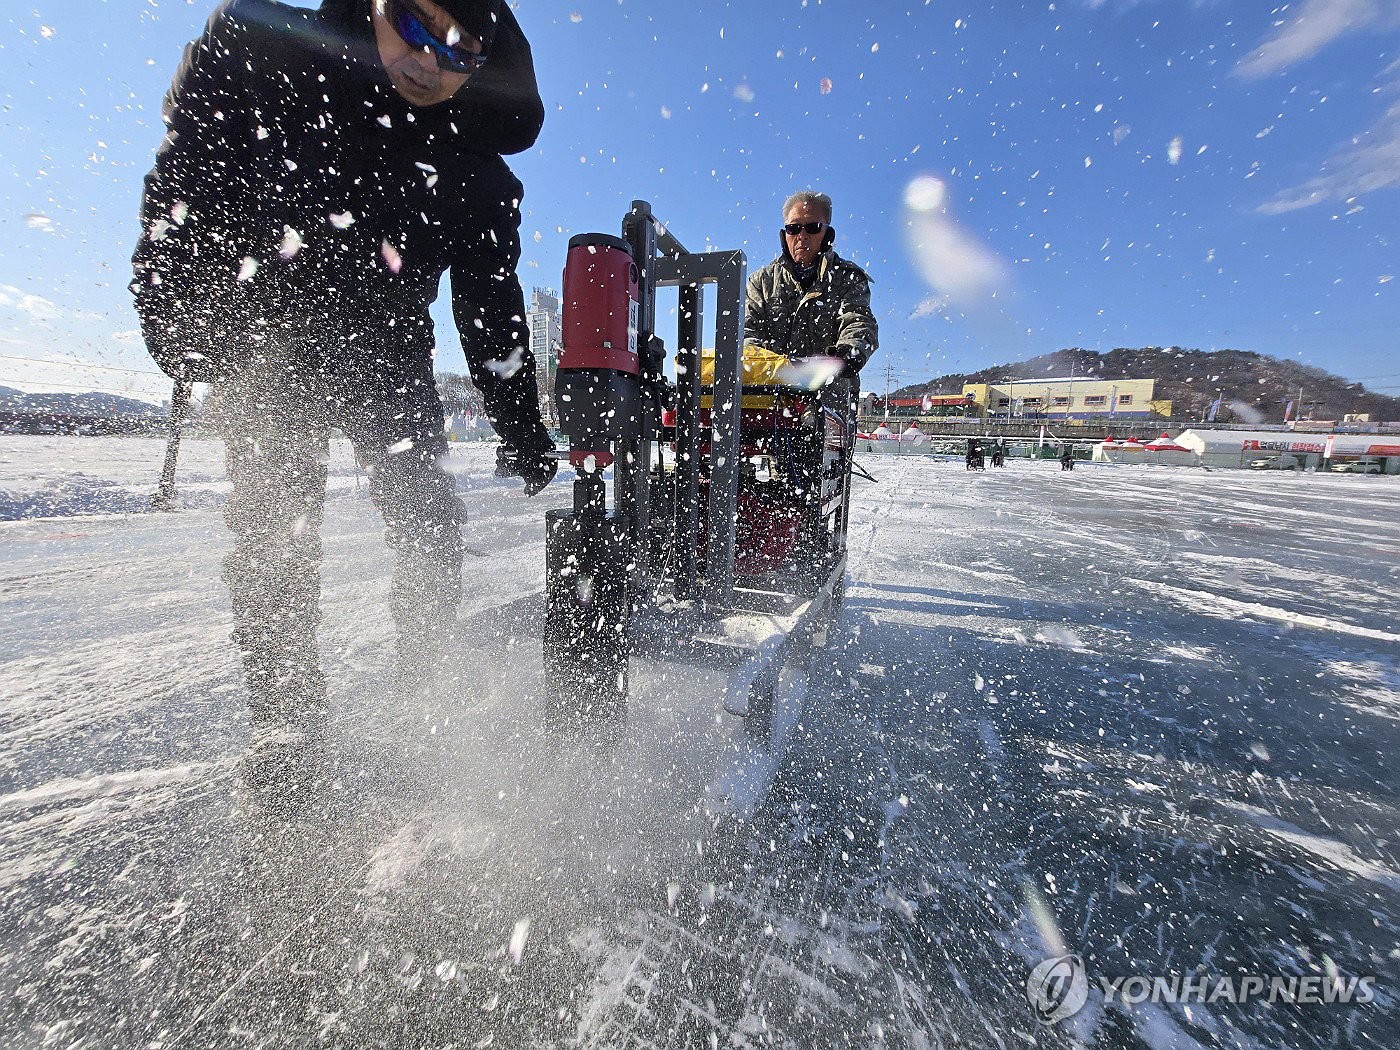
1149,714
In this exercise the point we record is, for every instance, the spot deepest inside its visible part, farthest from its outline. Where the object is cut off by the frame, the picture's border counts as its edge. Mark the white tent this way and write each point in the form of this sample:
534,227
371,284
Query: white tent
881,439
1104,450
1131,451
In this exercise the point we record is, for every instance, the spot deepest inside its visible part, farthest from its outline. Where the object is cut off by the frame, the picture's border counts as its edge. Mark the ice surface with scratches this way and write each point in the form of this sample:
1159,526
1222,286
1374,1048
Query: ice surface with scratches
1150,711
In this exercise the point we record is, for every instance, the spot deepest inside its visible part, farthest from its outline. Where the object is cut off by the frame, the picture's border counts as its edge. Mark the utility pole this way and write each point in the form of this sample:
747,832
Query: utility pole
889,378
164,499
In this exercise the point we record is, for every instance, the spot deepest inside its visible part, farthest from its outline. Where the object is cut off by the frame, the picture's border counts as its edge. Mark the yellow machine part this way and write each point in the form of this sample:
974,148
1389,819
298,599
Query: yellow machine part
762,367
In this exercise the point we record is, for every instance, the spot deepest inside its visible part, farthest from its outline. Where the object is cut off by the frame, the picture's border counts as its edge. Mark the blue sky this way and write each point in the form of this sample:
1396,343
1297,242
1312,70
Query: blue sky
1015,177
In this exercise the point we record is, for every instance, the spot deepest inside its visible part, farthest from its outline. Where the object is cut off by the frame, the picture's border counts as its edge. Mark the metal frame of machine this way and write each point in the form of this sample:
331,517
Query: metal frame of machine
634,570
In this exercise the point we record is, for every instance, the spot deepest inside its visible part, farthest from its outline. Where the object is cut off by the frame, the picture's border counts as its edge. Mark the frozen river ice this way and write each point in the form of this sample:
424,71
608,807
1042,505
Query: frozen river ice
1146,715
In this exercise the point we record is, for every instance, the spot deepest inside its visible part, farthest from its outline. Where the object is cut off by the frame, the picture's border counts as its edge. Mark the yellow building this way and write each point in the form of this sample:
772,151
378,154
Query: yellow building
1075,398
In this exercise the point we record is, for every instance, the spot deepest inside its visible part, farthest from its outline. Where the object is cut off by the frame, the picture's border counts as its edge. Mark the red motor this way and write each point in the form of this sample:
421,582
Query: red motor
601,299
597,389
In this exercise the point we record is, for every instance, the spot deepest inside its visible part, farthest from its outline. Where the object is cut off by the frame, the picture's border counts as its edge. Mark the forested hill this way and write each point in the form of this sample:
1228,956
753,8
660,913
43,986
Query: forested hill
91,403
1249,383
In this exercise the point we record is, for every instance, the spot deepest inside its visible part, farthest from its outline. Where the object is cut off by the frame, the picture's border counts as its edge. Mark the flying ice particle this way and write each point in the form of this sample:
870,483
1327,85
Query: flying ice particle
518,937
665,112
744,93
248,270
291,243
37,221
47,32
507,368
342,220
391,256
575,17
812,373
825,85
1174,150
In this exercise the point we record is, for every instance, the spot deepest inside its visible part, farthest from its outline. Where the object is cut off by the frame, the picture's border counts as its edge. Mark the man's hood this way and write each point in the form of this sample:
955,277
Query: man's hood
498,111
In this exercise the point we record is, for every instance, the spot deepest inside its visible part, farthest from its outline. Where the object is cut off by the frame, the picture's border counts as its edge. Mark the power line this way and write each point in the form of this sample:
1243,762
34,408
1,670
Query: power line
77,386
80,364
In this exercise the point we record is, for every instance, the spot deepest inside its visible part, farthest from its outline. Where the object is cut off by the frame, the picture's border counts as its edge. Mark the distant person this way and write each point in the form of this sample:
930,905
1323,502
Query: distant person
1067,459
321,171
975,458
998,454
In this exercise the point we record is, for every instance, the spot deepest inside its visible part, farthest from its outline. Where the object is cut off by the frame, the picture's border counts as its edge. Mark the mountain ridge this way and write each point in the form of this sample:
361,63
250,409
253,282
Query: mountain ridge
87,403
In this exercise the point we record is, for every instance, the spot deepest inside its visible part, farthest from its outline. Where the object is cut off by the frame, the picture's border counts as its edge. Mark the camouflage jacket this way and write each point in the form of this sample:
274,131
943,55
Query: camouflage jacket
832,318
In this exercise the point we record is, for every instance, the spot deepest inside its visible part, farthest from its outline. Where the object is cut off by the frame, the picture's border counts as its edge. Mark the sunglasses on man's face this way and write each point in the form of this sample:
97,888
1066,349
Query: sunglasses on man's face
452,58
792,229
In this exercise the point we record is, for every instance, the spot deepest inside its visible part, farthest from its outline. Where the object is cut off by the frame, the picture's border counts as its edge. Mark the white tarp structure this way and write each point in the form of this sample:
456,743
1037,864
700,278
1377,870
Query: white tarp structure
1164,451
1238,448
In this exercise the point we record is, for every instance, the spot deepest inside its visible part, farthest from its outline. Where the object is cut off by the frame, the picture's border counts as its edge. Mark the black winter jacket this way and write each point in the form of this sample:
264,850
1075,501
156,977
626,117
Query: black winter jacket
298,200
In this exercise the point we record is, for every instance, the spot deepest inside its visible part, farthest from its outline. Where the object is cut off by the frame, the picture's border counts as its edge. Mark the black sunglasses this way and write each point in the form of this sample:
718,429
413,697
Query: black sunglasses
792,229
450,57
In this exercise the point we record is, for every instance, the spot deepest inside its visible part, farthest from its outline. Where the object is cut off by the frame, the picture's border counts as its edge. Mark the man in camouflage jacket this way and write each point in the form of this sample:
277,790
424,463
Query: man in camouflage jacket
810,302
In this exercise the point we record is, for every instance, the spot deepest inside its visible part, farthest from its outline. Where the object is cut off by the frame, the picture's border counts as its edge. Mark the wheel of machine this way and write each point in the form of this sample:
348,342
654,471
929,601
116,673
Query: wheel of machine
586,619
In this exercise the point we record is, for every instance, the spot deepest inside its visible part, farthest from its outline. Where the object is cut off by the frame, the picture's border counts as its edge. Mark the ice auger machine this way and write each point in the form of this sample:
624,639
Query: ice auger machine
709,511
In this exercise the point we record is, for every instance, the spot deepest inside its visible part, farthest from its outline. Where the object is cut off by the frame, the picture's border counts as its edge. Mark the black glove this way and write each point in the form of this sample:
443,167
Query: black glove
853,359
537,466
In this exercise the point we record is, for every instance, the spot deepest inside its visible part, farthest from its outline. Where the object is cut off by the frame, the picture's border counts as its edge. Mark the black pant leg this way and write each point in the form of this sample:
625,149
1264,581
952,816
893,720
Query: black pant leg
393,416
273,420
